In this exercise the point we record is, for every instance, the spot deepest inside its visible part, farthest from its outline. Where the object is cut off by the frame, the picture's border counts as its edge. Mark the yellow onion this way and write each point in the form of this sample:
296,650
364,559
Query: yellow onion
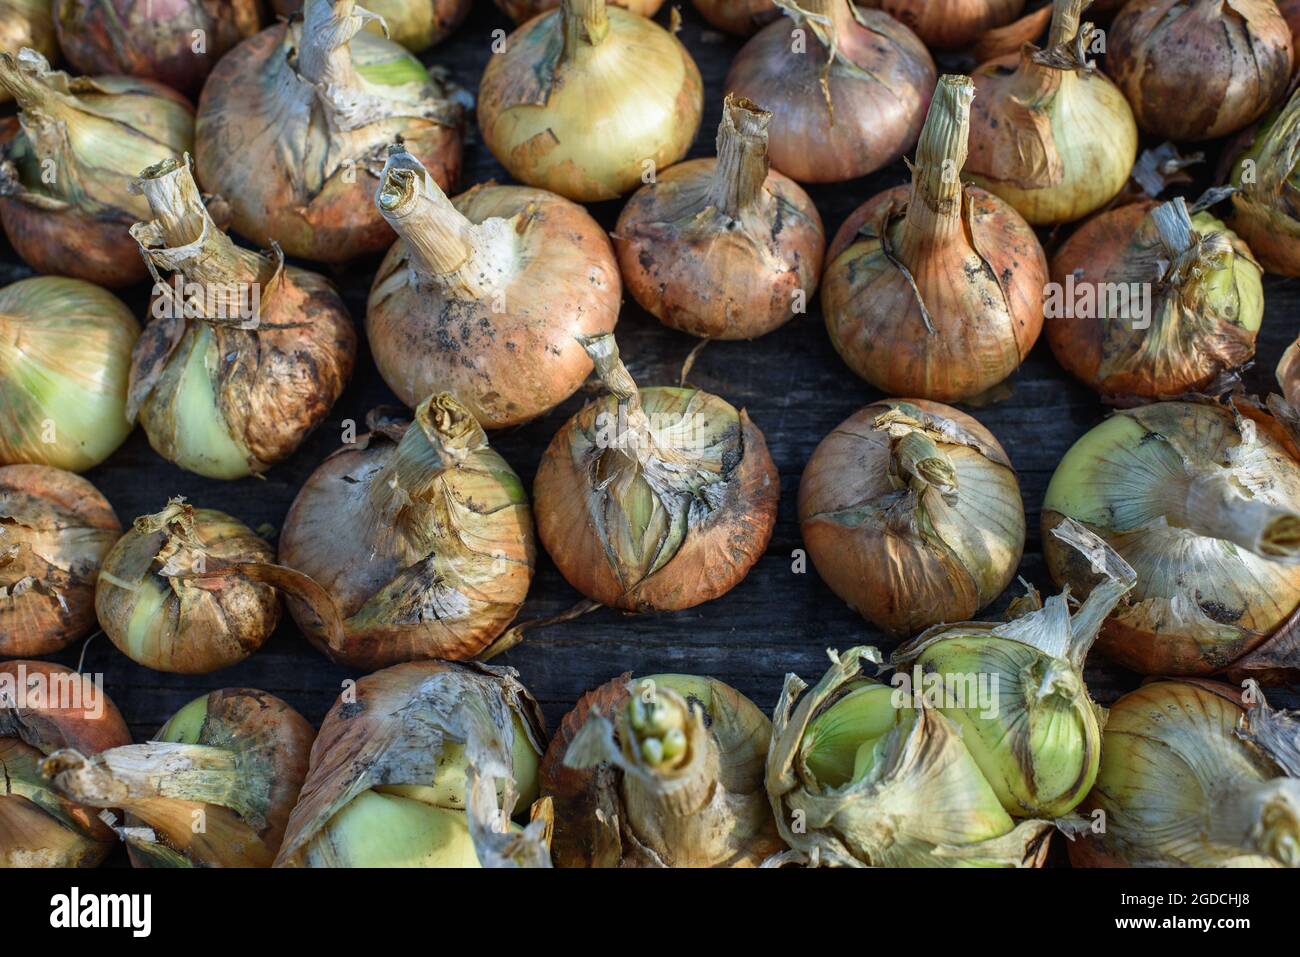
858,779
661,771
1199,69
1049,133
654,499
1150,300
723,248
293,124
244,356
847,87
951,24
1190,778
55,529
522,11
935,290
65,200
1266,202
911,513
587,101
213,788
175,42
1204,503
483,297
65,348
414,542
172,594
45,707
415,24
423,765
27,23
741,17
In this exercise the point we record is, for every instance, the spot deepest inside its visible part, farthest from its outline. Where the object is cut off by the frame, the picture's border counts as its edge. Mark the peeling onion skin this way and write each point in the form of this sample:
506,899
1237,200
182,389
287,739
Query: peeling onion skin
1266,204
27,23
521,11
415,24
29,835
951,24
874,120
1199,69
740,17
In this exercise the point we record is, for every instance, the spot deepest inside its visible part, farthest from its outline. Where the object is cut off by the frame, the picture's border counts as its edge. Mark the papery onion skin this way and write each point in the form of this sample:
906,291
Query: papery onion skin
415,24
951,24
1290,10
65,348
521,11
904,552
27,23
1199,69
1266,203
741,17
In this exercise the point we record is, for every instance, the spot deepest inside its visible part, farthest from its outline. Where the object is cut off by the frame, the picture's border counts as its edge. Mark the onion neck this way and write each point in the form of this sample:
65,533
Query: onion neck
443,434
742,165
1182,254
916,462
934,210
1210,504
1066,20
603,351
832,16
585,24
26,86
324,58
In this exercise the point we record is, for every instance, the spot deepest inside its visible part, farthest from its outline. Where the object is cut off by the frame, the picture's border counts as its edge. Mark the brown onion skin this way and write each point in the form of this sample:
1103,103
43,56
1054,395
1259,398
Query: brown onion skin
741,17
1290,10
447,15
523,10
1174,61
952,24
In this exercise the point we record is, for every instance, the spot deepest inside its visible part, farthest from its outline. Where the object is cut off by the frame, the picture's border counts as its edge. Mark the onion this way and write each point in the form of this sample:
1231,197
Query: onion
521,11
950,24
172,594
911,513
1290,10
1205,505
741,17
586,101
1191,779
213,788
415,24
935,289
1149,300
654,499
415,542
65,348
663,771
1266,203
27,23
1199,69
292,121
45,707
175,42
422,765
244,356
506,273
722,248
64,198
847,87
55,529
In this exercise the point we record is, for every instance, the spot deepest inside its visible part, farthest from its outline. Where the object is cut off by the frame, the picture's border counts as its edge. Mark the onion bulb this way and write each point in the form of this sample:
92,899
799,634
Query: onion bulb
847,87
483,297
1266,203
951,24
65,348
422,765
173,597
1205,505
45,707
521,11
654,499
662,771
723,248
1190,778
55,529
65,201
1148,300
414,542
245,356
1199,69
911,513
27,23
213,788
415,24
935,289
1290,10
587,101
741,17
857,781
293,123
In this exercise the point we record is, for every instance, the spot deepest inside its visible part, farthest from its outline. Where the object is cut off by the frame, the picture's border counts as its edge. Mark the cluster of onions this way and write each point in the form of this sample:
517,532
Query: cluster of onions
173,594
663,771
175,42
316,103
1199,69
1204,504
44,708
935,289
951,24
213,788
65,201
1191,778
654,499
587,100
27,23
55,529
415,24
521,11
470,287
423,765
911,513
1150,300
723,248
245,356
1266,200
65,358
741,17
848,88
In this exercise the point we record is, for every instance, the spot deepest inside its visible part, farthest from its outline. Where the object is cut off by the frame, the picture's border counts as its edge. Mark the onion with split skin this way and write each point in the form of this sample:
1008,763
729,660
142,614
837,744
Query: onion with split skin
27,23
741,17
415,24
521,11
1266,200
951,24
